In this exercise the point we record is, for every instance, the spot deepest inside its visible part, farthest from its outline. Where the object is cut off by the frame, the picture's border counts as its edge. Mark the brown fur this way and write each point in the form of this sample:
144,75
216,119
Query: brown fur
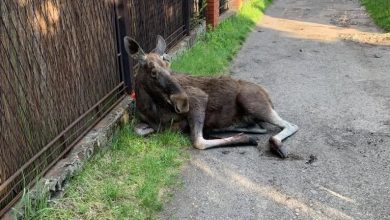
166,99
224,106
226,97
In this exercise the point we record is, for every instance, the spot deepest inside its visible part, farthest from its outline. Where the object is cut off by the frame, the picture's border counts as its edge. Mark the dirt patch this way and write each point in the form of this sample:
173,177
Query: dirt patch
348,18
312,159
365,143
367,38
273,156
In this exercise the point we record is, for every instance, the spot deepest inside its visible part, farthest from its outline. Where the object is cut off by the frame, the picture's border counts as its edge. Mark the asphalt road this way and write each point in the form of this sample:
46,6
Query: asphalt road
313,58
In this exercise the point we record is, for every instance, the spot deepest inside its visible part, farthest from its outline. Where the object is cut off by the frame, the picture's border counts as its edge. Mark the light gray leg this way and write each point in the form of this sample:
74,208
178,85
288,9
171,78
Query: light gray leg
288,129
203,144
196,121
143,129
196,118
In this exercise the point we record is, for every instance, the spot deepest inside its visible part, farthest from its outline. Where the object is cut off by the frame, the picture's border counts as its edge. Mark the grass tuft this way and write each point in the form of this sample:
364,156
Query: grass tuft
34,202
128,181
379,11
213,52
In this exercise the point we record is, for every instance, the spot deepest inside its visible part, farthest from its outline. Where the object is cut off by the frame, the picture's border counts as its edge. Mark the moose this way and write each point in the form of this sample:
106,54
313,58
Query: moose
201,105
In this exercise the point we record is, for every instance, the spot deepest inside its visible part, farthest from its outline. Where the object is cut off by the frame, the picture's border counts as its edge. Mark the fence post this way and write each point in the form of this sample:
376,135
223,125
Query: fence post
212,12
123,58
187,16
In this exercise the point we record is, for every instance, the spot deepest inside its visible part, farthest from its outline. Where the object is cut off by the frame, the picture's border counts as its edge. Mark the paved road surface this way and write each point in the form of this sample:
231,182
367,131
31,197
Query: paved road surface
310,55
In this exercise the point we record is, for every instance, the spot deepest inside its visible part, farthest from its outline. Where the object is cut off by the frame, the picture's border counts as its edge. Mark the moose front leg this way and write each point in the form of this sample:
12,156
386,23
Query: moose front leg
196,125
196,117
143,129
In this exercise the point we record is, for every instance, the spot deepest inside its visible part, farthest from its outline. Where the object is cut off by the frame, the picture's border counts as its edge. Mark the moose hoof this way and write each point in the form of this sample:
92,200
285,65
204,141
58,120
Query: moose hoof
143,129
277,146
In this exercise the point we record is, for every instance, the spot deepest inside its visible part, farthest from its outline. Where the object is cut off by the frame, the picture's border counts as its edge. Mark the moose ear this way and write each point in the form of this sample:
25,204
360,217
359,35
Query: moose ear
134,50
161,46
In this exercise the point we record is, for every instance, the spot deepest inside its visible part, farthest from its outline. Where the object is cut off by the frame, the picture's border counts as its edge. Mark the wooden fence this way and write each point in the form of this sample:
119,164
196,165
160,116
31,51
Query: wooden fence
62,68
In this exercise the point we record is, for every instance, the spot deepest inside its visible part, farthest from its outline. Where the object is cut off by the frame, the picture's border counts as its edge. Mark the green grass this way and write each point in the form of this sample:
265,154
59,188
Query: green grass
131,180
33,202
379,11
213,52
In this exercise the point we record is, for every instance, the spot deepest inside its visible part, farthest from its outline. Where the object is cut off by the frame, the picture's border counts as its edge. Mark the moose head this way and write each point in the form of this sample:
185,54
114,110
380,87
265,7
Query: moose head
155,75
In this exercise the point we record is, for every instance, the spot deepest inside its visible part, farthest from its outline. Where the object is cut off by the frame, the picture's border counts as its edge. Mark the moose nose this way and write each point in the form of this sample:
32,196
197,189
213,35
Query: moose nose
177,110
180,102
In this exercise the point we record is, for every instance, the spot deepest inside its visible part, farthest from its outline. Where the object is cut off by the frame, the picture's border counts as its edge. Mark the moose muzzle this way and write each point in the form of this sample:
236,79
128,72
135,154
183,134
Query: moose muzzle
180,102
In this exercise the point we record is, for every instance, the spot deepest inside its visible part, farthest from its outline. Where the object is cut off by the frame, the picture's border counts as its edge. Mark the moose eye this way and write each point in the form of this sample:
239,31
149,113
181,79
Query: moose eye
154,74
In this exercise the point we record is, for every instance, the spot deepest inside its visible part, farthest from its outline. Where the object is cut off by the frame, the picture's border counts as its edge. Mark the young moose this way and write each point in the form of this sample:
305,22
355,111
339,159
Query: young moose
202,104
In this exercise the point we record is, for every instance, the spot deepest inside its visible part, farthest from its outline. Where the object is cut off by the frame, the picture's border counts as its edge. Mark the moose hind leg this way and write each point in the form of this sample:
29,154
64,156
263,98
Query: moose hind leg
143,129
256,102
196,117
288,129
